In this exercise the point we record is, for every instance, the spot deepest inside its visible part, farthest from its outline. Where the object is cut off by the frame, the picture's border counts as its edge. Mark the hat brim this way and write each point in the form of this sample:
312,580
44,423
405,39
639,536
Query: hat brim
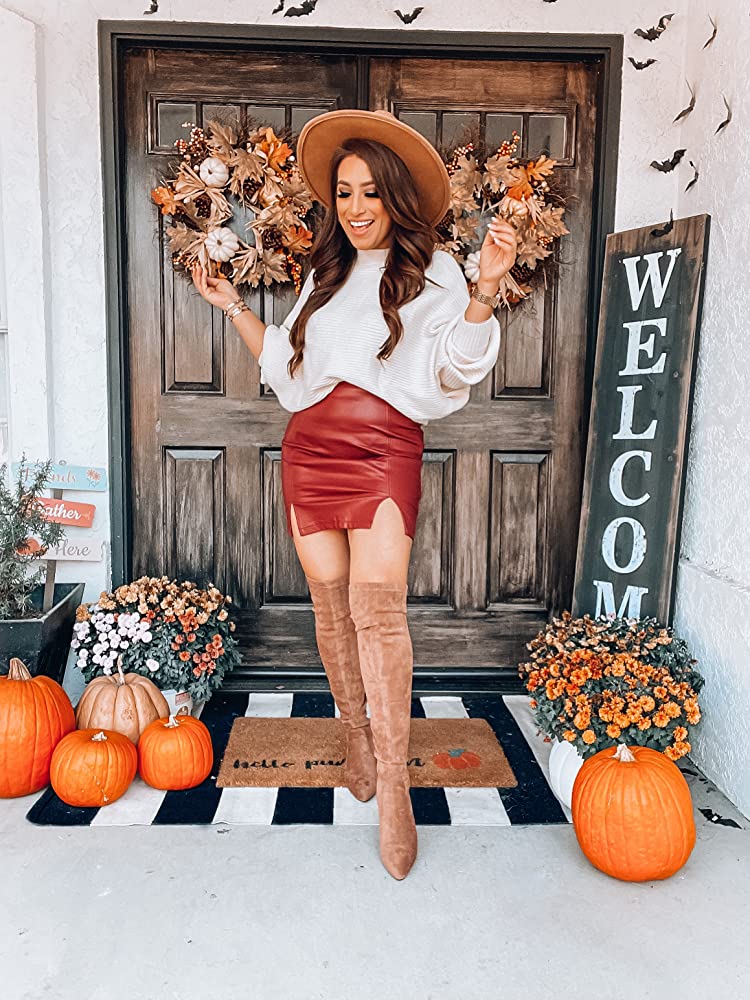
322,134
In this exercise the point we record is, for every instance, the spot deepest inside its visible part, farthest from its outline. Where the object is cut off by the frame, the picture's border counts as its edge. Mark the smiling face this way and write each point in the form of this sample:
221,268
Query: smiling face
358,200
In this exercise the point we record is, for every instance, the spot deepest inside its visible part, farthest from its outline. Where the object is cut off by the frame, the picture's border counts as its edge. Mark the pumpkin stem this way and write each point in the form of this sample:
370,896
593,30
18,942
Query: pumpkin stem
99,738
17,670
119,669
623,754
172,724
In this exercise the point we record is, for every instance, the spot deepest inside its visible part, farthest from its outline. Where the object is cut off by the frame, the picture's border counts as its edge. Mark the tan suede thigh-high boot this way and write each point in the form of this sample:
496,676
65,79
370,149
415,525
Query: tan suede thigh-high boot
386,660
339,653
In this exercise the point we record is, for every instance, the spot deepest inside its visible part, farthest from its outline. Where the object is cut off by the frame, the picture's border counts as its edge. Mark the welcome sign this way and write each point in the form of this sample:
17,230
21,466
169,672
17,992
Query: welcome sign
647,347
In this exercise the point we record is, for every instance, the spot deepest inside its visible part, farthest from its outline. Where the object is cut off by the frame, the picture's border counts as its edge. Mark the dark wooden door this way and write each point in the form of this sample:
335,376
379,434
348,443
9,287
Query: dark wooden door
496,537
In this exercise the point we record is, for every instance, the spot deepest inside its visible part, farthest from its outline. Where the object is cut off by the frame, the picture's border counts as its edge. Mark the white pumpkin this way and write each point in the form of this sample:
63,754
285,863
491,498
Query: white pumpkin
214,172
471,267
222,244
564,764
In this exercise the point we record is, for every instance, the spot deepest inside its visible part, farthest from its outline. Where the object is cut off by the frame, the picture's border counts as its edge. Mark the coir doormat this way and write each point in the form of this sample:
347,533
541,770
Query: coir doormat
284,753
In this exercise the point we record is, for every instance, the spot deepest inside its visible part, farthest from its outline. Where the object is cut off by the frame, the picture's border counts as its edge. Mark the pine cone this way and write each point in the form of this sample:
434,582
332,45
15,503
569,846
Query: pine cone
203,206
521,272
250,189
272,239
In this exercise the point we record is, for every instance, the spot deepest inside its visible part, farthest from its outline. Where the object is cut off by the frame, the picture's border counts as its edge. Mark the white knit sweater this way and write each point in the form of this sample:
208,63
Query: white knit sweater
427,376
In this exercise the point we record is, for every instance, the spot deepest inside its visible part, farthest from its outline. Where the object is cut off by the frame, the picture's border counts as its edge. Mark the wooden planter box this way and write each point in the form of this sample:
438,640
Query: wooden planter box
42,643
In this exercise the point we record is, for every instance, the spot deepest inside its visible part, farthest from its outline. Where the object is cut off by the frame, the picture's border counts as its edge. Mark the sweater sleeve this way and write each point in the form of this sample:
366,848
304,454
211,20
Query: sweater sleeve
466,351
277,350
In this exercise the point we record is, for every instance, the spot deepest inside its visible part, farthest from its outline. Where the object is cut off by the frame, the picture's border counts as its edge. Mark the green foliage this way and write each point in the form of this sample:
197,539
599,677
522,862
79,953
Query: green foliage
21,515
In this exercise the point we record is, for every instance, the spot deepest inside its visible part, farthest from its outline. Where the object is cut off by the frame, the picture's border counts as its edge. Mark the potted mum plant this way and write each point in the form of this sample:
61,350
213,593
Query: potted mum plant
602,682
175,633
37,635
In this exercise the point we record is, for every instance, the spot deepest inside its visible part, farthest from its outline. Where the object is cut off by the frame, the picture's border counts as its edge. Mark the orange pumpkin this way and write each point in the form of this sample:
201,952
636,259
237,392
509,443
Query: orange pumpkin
633,814
126,703
175,754
93,767
35,714
458,760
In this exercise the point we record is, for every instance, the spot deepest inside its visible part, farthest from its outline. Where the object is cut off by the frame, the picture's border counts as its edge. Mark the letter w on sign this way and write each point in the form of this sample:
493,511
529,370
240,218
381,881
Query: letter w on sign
634,482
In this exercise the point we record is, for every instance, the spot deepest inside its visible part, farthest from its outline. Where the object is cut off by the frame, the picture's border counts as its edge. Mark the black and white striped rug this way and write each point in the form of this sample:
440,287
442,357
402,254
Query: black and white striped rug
532,801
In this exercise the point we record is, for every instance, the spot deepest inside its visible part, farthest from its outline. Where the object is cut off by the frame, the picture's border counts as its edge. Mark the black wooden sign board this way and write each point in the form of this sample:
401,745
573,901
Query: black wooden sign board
647,346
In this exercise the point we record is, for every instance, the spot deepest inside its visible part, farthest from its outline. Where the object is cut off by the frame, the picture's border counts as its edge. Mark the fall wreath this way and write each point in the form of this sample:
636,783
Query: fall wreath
486,182
239,205
247,176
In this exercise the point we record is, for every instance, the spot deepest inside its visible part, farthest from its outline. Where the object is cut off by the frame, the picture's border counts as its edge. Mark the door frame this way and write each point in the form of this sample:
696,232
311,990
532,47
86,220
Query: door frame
605,50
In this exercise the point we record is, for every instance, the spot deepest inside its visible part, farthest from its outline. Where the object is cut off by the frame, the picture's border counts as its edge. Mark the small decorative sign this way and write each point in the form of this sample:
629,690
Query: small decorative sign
89,549
67,512
628,544
69,477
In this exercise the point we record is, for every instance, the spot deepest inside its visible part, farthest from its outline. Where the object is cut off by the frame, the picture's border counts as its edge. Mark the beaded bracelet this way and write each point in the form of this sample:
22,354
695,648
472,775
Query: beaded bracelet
235,308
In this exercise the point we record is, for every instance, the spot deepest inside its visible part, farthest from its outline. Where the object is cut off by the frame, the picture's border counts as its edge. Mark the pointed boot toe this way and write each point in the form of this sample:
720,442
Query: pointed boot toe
398,830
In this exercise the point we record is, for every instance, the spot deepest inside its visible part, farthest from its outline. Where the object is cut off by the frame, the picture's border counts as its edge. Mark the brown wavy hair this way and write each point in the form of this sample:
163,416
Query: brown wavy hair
333,255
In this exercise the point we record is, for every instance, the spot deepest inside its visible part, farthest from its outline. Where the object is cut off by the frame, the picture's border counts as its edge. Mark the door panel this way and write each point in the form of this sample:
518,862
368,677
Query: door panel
495,546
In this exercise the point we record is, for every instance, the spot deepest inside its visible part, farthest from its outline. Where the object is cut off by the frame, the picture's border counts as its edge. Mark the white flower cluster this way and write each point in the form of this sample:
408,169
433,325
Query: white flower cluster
104,638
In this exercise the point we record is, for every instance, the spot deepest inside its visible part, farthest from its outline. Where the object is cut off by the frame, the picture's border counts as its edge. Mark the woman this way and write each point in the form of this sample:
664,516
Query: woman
390,339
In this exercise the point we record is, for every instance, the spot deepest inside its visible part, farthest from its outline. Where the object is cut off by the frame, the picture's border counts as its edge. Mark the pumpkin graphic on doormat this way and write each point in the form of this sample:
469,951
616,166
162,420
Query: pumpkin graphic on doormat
458,760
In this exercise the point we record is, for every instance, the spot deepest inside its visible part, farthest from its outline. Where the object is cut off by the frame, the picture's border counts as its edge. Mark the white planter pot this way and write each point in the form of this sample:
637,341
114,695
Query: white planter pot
180,702
564,764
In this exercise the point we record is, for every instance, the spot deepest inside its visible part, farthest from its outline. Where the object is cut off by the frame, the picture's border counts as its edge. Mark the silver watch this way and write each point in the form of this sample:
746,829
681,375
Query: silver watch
486,299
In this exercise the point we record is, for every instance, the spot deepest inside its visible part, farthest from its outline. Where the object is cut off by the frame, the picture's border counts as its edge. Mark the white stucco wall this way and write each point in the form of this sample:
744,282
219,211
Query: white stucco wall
713,596
49,59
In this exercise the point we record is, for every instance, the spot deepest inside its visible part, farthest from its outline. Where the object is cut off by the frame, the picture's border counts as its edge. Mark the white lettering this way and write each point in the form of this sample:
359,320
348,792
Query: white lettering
630,606
652,276
635,347
638,552
616,473
626,431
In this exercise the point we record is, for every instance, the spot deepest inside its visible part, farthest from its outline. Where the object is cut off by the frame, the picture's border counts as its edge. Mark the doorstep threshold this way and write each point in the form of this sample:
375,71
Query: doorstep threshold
426,680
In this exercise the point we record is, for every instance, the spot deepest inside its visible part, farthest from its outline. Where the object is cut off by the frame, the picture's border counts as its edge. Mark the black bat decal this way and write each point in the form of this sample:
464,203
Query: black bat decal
694,178
651,34
153,9
713,34
666,165
306,7
728,118
408,18
689,108
667,228
642,65
714,817
279,7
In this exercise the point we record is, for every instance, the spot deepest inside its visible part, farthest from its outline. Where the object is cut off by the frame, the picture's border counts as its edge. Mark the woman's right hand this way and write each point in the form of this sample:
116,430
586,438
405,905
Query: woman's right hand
218,291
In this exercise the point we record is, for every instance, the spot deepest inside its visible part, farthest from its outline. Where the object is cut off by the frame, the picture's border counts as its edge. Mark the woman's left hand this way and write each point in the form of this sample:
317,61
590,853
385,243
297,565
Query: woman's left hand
497,255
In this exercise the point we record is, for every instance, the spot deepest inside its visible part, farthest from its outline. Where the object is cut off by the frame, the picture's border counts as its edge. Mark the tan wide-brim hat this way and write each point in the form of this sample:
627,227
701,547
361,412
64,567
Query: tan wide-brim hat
321,135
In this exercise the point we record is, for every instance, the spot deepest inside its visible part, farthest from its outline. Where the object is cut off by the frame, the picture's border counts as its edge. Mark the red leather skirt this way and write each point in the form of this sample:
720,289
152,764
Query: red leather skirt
342,456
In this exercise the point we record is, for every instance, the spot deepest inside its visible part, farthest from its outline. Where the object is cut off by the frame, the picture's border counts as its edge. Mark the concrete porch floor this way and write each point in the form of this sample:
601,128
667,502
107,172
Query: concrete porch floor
308,913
